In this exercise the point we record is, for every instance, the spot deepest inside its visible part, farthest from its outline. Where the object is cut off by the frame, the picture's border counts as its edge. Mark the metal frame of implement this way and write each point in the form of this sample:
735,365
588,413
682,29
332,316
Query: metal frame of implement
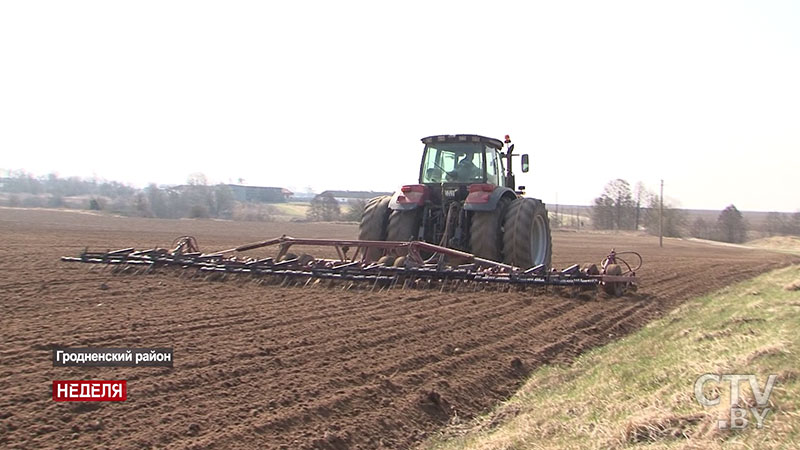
422,262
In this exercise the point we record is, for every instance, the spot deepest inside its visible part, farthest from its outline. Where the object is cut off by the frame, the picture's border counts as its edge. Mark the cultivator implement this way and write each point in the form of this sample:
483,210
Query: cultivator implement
368,264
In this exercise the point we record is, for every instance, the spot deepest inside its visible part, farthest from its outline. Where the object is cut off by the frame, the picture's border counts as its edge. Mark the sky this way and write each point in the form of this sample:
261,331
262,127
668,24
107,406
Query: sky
323,95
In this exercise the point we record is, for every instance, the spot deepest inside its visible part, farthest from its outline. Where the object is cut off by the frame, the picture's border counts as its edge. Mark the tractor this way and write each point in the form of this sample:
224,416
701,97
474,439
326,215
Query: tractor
466,199
466,223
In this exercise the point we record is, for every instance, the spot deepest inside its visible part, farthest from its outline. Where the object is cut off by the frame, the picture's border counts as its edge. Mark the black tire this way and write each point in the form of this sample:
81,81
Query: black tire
486,232
614,288
590,269
403,226
374,219
374,223
526,236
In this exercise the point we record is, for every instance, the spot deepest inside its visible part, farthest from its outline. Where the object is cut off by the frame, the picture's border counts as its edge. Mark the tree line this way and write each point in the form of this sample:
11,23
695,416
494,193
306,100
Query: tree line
782,224
618,207
196,199
26,190
621,208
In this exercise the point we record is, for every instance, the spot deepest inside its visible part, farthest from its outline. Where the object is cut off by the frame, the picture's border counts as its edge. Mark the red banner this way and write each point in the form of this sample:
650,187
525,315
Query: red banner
90,390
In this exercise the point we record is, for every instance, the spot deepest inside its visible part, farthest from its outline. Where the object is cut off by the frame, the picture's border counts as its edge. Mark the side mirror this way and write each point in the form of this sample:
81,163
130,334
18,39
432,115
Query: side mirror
525,163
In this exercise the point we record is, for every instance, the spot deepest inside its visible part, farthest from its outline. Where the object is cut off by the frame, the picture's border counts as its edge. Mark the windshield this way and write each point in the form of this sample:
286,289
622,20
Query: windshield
453,162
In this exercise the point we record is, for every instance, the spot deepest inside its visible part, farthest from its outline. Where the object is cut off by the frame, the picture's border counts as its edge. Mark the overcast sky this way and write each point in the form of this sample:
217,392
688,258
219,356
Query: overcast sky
336,95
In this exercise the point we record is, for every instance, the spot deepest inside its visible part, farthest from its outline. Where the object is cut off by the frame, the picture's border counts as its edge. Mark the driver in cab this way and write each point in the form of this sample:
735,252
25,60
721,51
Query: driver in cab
465,170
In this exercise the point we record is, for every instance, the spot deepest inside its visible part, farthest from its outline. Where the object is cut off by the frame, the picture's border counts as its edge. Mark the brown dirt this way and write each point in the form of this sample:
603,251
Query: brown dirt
261,367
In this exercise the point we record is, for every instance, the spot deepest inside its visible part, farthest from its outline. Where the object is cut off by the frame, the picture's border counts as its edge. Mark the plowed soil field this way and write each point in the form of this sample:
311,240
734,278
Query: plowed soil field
268,367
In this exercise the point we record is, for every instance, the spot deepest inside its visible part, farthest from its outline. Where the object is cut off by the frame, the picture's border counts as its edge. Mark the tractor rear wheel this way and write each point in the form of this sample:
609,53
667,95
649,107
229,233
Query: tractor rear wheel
374,223
403,226
486,232
526,236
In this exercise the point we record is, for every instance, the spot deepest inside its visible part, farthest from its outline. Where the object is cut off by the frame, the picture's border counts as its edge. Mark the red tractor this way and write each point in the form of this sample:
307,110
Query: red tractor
466,199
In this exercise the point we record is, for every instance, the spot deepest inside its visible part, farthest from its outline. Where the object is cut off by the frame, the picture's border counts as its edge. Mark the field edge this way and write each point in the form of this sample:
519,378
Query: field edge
638,390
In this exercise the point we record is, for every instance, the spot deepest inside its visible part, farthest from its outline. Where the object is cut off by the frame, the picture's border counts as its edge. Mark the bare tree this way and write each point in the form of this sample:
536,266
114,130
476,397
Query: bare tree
355,208
615,208
324,207
794,225
775,223
640,194
197,179
674,221
141,205
223,201
782,223
701,229
674,218
158,201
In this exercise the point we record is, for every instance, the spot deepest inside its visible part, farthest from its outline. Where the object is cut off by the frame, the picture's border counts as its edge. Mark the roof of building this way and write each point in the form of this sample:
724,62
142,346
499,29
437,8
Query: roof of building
260,188
355,194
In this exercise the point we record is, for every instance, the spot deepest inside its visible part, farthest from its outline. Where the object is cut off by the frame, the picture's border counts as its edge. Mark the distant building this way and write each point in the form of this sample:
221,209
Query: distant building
303,197
346,196
260,194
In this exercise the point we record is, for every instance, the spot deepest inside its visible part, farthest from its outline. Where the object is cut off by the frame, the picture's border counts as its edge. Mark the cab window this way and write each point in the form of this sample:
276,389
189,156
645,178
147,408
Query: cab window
492,167
453,162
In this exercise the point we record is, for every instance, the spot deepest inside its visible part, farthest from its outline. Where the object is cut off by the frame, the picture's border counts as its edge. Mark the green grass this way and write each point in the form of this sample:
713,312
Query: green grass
297,210
639,391
785,244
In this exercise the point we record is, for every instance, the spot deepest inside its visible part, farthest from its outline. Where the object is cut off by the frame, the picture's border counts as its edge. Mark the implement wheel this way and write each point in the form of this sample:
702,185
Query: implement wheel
526,236
615,288
374,223
486,232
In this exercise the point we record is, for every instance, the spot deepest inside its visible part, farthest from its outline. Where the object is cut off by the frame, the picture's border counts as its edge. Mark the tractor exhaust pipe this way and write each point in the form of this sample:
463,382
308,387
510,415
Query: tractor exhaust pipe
510,180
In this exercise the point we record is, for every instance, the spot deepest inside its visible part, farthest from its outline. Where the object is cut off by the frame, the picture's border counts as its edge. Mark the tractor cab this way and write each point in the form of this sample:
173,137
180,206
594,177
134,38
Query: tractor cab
468,159
457,166
462,159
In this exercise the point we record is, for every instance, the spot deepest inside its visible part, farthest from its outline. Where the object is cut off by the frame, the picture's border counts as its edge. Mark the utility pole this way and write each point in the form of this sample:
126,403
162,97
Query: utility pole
661,217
